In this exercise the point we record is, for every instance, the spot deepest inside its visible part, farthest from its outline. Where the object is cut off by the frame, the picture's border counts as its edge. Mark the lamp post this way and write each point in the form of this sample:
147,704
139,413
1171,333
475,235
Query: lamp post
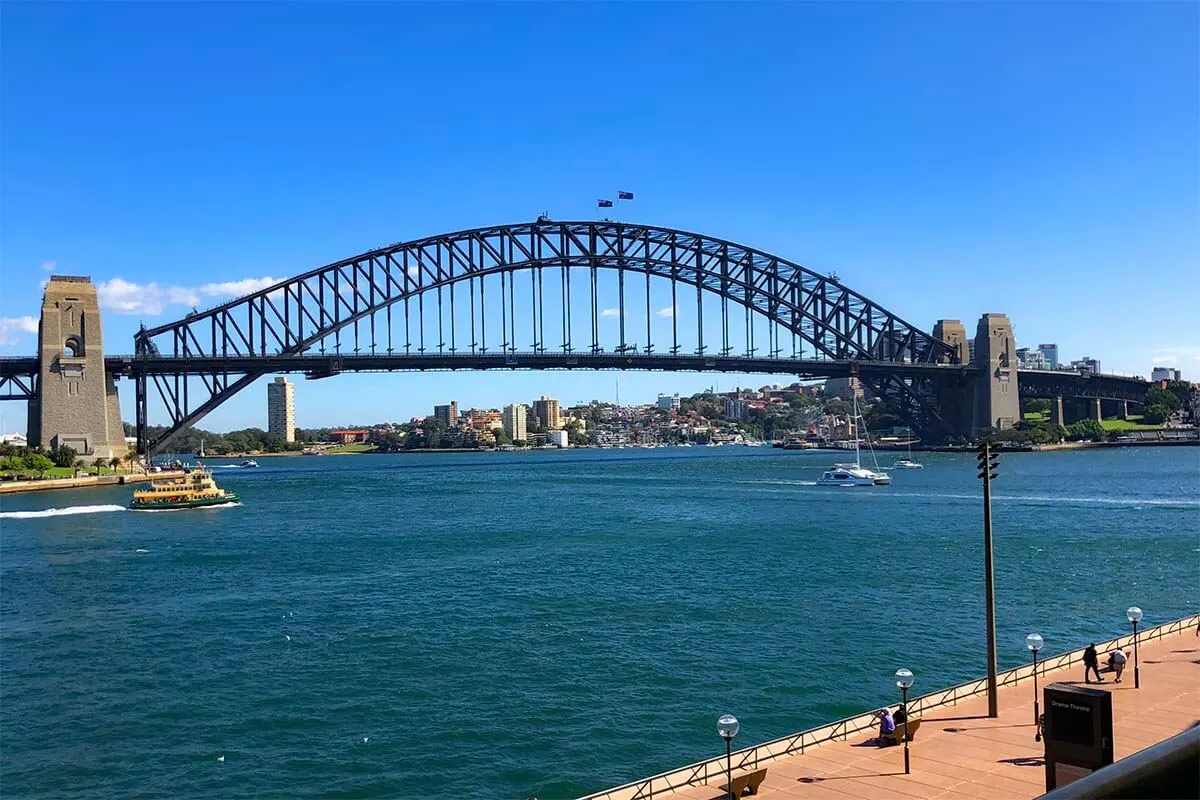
1134,615
904,679
1034,643
727,726
988,464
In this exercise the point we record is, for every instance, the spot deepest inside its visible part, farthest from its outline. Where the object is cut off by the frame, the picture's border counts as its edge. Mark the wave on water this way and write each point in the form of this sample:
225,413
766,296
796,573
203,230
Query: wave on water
1055,500
60,512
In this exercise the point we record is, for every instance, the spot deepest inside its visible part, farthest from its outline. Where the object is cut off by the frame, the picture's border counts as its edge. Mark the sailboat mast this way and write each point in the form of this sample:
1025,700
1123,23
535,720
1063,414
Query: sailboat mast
857,456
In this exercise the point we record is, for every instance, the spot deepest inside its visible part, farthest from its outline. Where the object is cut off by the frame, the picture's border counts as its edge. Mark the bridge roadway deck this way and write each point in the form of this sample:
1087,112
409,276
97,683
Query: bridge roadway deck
960,753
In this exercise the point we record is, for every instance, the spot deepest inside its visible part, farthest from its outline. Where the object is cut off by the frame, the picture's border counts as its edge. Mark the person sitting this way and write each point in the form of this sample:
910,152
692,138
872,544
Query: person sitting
1116,663
887,728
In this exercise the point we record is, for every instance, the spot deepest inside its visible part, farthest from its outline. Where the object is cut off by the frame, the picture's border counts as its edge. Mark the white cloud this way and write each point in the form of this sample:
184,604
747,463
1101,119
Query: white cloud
610,312
49,266
669,311
11,328
1164,359
151,299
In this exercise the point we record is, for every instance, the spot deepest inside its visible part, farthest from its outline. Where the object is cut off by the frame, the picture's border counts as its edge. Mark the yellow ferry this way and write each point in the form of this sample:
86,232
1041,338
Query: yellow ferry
193,489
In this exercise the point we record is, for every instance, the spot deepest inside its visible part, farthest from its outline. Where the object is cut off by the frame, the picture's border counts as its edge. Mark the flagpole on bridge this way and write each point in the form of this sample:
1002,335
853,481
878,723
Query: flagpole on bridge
621,196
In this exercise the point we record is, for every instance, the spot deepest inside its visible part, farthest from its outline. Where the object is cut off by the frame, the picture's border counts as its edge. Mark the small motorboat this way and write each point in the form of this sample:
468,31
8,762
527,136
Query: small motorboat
248,463
907,463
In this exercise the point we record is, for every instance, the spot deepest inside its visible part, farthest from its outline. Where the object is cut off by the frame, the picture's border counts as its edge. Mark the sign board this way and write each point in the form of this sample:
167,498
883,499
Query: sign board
1078,732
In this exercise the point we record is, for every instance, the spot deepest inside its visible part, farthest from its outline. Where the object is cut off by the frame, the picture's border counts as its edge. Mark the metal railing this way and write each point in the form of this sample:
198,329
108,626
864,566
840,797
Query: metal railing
751,757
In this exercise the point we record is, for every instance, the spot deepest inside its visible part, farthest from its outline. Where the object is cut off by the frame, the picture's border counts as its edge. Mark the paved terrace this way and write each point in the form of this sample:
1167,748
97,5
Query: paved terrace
959,752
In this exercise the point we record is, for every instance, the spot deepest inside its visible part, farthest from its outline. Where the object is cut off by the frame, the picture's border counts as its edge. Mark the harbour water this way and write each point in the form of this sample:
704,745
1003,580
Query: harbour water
508,624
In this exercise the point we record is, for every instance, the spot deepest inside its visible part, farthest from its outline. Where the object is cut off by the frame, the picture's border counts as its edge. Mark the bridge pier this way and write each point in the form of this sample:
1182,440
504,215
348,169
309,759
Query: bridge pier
1123,409
955,402
1099,410
997,399
1056,411
76,405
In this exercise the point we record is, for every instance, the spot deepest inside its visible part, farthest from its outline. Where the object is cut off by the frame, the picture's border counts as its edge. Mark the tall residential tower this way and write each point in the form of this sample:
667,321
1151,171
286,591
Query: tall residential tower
514,421
281,409
548,412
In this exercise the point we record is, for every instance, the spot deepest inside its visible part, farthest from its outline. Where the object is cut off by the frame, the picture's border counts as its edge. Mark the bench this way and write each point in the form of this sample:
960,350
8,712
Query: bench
747,782
913,725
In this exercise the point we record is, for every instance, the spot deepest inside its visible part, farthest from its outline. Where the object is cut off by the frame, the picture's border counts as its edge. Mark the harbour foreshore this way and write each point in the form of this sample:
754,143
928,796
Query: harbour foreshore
962,754
83,481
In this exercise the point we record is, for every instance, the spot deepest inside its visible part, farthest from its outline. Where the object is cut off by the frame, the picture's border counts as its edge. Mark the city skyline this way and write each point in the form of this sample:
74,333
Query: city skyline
978,183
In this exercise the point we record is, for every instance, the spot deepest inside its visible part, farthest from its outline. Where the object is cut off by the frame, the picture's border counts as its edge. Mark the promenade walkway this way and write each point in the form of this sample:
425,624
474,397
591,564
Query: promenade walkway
960,753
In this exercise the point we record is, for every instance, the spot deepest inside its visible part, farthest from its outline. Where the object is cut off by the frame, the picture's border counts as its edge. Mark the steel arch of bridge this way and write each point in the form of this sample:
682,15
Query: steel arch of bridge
312,311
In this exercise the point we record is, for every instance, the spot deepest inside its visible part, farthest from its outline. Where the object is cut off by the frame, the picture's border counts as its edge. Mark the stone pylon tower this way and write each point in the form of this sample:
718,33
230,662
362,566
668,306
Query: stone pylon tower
957,402
997,399
77,402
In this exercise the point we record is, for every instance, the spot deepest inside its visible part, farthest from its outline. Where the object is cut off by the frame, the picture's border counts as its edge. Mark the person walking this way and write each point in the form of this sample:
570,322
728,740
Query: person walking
1116,662
1091,663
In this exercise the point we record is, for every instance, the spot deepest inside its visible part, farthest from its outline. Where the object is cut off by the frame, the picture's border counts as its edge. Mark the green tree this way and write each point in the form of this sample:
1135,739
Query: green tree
38,463
1085,429
1182,390
64,456
839,408
114,462
1162,397
99,464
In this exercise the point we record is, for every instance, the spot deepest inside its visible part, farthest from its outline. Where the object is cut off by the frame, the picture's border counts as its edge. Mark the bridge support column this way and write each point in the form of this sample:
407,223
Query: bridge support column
997,398
1099,417
1056,411
77,406
955,402
1123,409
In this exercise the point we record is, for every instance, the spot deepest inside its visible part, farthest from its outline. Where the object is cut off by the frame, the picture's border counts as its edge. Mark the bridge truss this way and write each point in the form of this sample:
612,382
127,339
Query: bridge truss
539,295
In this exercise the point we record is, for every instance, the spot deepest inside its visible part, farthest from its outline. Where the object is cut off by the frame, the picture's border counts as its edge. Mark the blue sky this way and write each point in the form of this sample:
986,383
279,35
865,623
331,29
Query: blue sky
946,160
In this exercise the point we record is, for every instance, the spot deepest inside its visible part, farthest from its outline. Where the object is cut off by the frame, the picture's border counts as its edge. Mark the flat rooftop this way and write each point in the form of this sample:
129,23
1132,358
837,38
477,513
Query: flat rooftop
960,753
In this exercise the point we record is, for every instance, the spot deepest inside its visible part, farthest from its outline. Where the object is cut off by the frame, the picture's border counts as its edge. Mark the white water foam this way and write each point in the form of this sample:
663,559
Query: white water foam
173,510
60,512
1056,500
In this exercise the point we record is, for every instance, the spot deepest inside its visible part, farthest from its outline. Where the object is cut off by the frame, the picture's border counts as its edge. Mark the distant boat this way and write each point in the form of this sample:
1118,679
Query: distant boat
854,474
908,463
248,463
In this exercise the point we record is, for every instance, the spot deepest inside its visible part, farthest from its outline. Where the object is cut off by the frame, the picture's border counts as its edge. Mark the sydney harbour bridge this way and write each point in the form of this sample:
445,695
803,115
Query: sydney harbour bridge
538,295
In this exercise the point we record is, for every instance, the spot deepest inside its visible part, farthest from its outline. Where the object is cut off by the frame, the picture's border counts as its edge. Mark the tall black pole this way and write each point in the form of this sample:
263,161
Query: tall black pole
729,766
1037,717
1137,683
987,464
904,732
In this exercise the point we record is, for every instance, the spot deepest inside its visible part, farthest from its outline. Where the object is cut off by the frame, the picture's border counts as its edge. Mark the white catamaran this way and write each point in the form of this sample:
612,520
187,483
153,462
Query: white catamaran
855,474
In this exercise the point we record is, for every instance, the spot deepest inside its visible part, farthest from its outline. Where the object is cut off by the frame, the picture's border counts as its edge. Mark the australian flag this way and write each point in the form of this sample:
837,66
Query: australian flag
604,204
624,195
